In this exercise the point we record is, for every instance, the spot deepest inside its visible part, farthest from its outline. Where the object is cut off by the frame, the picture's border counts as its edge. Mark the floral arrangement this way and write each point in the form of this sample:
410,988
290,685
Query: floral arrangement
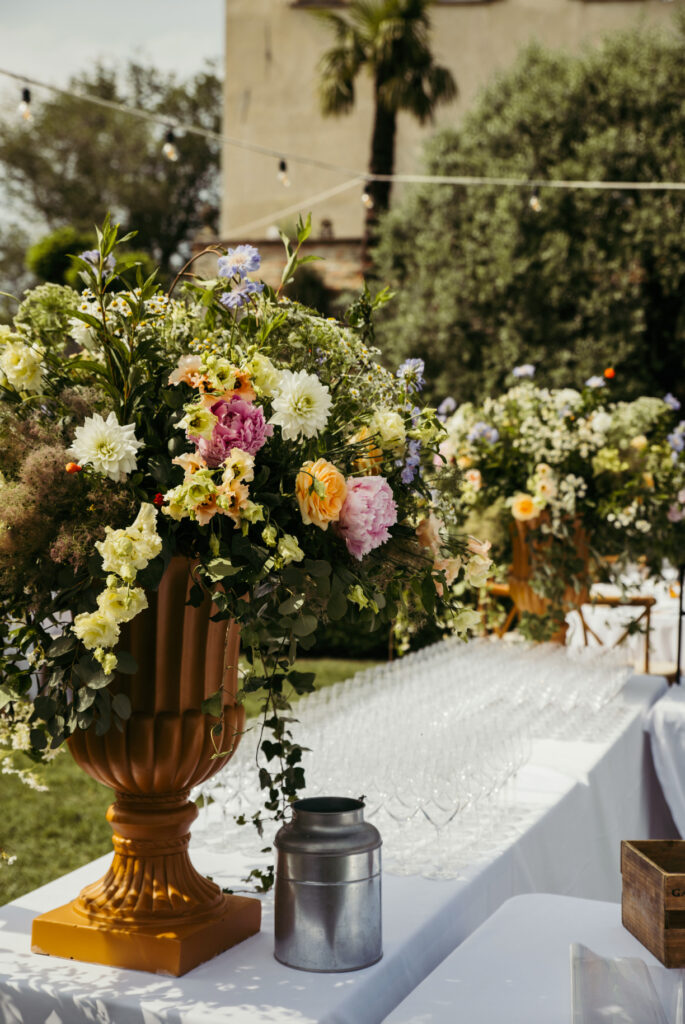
228,425
570,463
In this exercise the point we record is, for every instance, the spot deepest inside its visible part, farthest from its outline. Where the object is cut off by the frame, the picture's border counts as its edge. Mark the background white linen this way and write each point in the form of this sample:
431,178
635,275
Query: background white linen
666,723
515,969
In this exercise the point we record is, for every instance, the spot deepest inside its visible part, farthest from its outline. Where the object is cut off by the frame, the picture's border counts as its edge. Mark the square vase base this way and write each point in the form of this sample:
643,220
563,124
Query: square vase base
63,932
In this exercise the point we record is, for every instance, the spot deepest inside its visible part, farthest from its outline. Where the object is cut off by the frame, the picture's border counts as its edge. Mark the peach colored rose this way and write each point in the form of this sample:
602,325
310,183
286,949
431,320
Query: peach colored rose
189,371
523,508
428,533
450,567
190,462
320,490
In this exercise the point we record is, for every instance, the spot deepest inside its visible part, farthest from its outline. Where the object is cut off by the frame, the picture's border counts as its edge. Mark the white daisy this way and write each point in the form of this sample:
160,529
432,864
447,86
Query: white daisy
301,405
107,446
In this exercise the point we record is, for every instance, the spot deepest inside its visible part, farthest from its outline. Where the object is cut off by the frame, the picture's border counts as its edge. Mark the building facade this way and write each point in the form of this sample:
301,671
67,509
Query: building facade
272,51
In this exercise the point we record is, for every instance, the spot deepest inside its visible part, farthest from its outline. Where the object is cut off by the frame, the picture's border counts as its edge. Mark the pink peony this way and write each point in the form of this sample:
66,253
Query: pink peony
240,425
368,511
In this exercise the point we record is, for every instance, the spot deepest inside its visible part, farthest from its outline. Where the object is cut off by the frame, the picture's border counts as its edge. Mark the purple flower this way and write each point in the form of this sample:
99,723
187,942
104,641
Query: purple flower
411,462
672,402
447,406
411,374
240,425
241,261
525,370
483,432
594,382
676,438
367,513
92,256
240,294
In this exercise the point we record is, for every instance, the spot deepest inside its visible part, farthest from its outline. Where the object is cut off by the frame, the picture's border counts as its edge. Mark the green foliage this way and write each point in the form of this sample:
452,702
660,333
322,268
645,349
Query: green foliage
79,160
591,279
49,258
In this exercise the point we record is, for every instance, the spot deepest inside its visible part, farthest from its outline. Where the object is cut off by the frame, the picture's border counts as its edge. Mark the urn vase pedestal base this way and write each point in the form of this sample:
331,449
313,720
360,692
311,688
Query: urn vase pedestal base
152,911
65,933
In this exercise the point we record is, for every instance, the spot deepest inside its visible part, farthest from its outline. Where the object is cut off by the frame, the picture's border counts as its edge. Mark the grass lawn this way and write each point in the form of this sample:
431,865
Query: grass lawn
55,832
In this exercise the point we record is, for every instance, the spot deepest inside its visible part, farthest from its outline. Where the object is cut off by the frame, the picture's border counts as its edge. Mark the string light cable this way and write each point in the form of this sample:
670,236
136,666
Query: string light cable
356,175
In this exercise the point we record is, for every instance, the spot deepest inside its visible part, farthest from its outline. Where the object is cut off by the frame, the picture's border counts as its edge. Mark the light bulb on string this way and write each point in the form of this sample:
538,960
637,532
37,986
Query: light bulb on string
169,148
283,173
534,201
367,200
24,107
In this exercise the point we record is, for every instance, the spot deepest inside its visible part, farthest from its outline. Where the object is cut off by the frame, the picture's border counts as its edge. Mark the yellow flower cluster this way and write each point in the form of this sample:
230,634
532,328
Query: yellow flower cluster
124,553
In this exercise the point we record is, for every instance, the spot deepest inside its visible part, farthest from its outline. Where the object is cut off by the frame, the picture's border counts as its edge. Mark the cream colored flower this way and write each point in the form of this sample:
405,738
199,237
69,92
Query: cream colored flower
22,366
546,488
238,466
428,533
122,603
523,507
389,427
543,470
198,421
264,375
96,629
126,551
478,570
639,443
289,549
269,535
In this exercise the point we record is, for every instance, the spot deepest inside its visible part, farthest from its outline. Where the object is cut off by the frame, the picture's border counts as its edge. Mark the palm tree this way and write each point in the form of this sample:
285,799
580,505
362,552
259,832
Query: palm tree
390,38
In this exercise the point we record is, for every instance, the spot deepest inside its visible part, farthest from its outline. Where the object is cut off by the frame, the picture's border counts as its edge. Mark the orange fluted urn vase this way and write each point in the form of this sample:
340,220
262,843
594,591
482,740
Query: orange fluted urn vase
153,911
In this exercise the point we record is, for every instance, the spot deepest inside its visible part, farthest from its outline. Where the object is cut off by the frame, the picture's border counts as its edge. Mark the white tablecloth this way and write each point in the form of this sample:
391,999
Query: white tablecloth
515,969
577,801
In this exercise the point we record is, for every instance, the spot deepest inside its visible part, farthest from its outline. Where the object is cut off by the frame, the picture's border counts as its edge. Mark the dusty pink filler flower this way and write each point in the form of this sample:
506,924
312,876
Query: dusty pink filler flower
240,425
368,511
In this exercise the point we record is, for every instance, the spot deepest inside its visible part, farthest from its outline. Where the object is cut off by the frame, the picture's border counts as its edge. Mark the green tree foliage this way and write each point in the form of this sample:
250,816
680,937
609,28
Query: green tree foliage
588,280
390,39
76,162
49,258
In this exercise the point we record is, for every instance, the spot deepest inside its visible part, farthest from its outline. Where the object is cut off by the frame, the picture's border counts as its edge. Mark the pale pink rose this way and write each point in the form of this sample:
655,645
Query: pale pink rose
474,478
479,547
188,371
368,512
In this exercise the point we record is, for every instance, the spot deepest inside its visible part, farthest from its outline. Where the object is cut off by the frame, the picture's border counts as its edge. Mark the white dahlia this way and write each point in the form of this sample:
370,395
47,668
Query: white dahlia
301,405
107,446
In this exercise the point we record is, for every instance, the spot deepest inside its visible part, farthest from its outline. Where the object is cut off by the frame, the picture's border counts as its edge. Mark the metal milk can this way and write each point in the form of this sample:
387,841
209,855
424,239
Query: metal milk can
328,887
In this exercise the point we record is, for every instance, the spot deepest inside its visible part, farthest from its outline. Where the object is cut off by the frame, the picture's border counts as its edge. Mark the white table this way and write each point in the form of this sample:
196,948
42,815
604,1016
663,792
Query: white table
580,799
515,969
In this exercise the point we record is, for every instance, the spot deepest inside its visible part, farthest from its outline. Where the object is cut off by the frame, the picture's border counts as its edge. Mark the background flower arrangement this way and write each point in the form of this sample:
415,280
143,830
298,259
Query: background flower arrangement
563,461
243,431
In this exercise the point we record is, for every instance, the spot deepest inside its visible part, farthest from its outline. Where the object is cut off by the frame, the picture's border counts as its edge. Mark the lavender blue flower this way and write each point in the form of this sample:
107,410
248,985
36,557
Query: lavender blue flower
240,294
411,374
447,406
241,261
525,370
672,402
483,432
411,462
676,438
594,382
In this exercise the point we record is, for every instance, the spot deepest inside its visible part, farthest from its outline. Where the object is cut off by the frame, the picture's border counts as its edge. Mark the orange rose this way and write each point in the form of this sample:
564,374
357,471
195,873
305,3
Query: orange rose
321,490
523,508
